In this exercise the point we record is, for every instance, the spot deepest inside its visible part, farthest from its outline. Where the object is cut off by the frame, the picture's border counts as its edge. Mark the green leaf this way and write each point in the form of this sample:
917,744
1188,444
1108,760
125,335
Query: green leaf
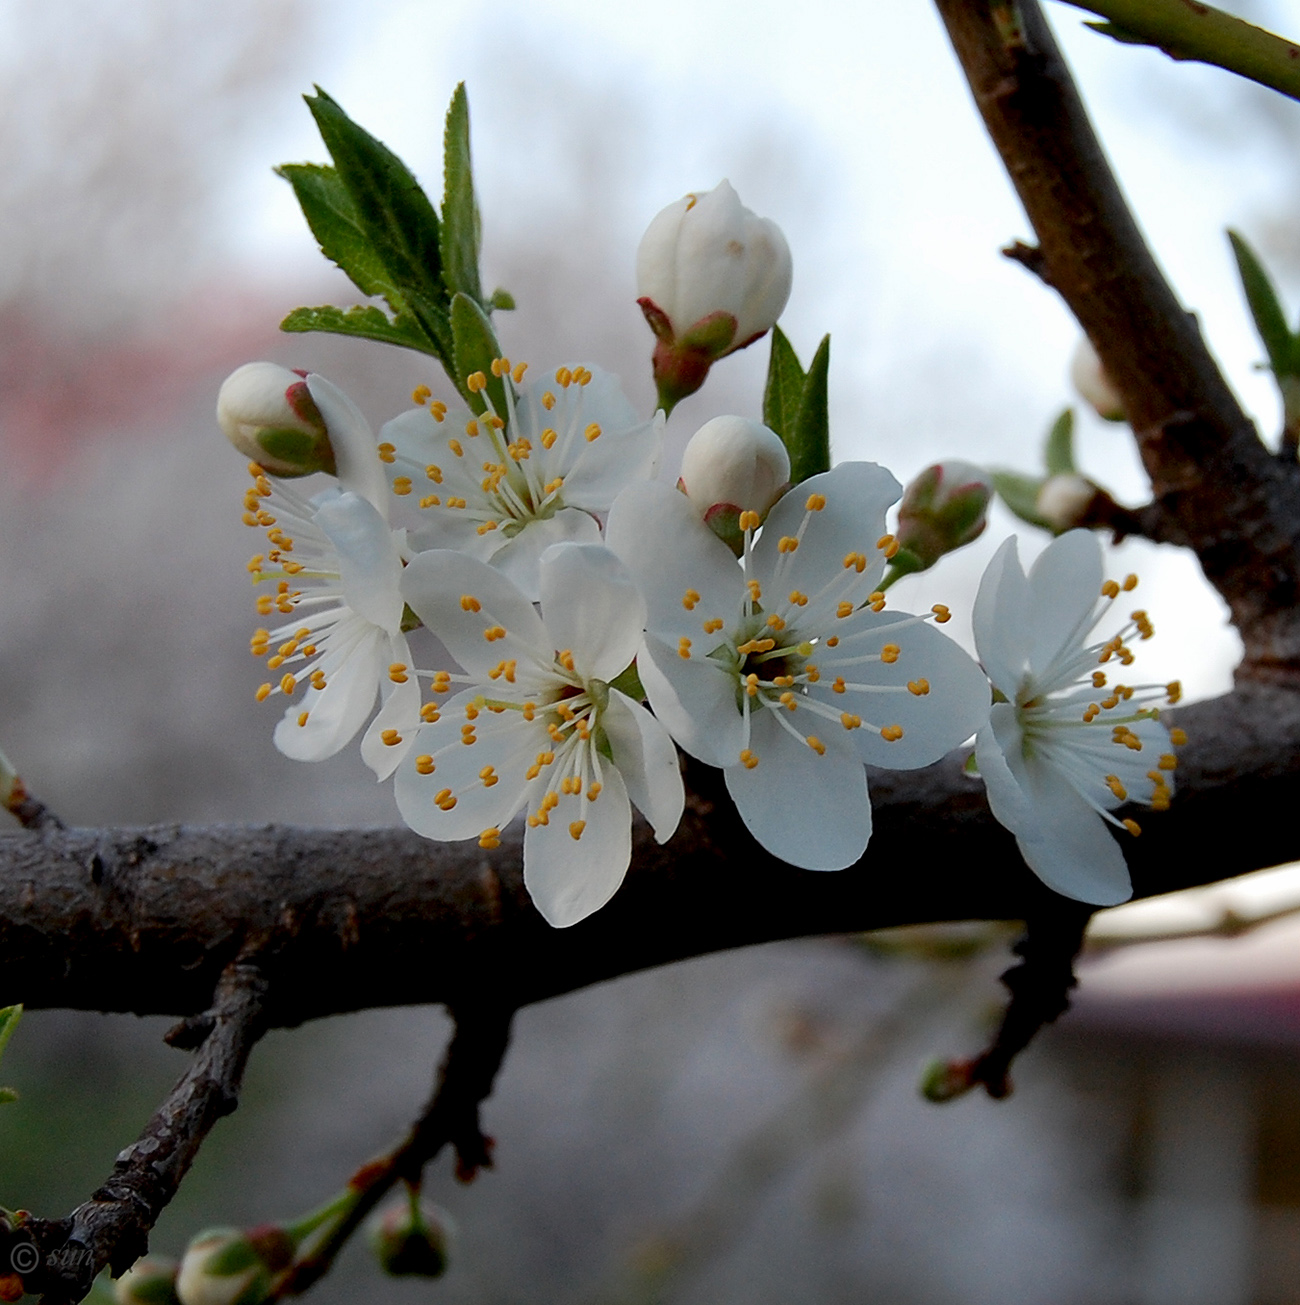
784,389
1020,494
1058,451
475,346
461,235
392,211
809,442
9,1017
1270,321
502,300
366,323
332,217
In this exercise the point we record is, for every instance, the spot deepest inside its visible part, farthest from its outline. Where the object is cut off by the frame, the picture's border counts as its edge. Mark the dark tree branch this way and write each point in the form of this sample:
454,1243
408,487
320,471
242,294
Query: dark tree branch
112,1228
1231,501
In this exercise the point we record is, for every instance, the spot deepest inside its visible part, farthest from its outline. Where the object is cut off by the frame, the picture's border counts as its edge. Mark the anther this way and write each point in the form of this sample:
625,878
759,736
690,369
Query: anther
816,745
1168,761
815,502
475,382
421,395
456,447
918,687
489,776
689,599
444,800
1174,690
850,721
774,622
494,632
751,521
439,410
387,453
390,738
892,733
434,473
798,599
857,561
1130,583
941,613
575,829
490,839
263,693
844,609
1133,827
751,685
788,701
889,653
748,759
684,648
1177,737
1118,789
518,374
713,626
1110,589
302,719
288,683
397,673
839,686
467,736
592,432
424,764
1099,679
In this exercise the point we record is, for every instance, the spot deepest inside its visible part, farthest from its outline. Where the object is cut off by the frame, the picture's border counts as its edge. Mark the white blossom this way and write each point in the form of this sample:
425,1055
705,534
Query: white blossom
337,566
537,725
1069,742
503,487
786,669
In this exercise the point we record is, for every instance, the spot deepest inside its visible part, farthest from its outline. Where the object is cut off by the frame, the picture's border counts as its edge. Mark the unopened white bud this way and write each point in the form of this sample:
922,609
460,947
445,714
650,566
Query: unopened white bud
943,509
1089,377
151,1280
735,462
227,1267
1063,500
268,414
712,277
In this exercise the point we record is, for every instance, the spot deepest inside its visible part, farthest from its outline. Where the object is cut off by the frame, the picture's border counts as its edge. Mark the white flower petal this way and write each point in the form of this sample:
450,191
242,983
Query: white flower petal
591,605
454,530
811,811
686,572
369,564
518,557
857,496
356,456
1001,618
647,760
504,741
336,712
612,461
696,701
1064,587
933,723
444,589
568,878
400,712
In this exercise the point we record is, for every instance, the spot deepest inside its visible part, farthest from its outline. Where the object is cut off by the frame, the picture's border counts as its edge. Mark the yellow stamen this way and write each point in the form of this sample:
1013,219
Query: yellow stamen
892,733
689,599
490,839
390,738
816,745
815,502
748,759
424,764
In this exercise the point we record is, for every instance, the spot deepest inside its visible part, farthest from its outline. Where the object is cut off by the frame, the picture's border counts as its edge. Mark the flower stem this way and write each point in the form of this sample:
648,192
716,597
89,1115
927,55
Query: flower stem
1198,32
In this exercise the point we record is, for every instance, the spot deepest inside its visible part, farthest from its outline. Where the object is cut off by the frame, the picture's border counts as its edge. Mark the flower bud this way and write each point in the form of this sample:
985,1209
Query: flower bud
733,465
1064,500
227,1267
151,1280
943,509
411,1239
1089,377
712,277
268,414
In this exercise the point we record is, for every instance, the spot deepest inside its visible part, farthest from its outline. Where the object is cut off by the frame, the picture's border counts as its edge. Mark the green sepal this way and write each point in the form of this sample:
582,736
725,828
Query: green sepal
392,211
809,445
784,388
365,323
629,682
332,217
1265,309
502,300
1058,451
1020,494
461,236
474,346
971,766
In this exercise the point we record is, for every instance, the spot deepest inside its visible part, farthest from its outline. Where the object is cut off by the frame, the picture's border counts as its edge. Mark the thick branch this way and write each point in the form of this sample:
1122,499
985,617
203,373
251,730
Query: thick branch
1227,498
114,1225
145,920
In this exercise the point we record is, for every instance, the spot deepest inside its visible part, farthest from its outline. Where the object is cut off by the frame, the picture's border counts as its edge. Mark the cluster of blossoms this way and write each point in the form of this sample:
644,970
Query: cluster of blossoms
571,588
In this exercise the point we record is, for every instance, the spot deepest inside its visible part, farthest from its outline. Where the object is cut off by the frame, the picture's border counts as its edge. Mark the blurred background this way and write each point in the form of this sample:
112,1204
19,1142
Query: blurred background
744,1128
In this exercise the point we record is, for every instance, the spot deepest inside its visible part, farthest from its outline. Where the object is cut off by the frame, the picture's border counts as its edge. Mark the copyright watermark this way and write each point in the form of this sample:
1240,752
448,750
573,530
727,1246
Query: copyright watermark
19,1254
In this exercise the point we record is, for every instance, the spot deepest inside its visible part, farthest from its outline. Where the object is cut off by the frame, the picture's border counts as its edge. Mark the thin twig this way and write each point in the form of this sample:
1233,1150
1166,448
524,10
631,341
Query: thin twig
19,802
112,1228
451,1117
1201,33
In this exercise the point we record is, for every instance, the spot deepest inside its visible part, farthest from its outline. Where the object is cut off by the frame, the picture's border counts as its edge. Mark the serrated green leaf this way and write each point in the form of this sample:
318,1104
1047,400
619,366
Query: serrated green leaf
1261,297
1020,494
391,209
809,443
474,347
1058,450
784,388
362,322
332,217
461,236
